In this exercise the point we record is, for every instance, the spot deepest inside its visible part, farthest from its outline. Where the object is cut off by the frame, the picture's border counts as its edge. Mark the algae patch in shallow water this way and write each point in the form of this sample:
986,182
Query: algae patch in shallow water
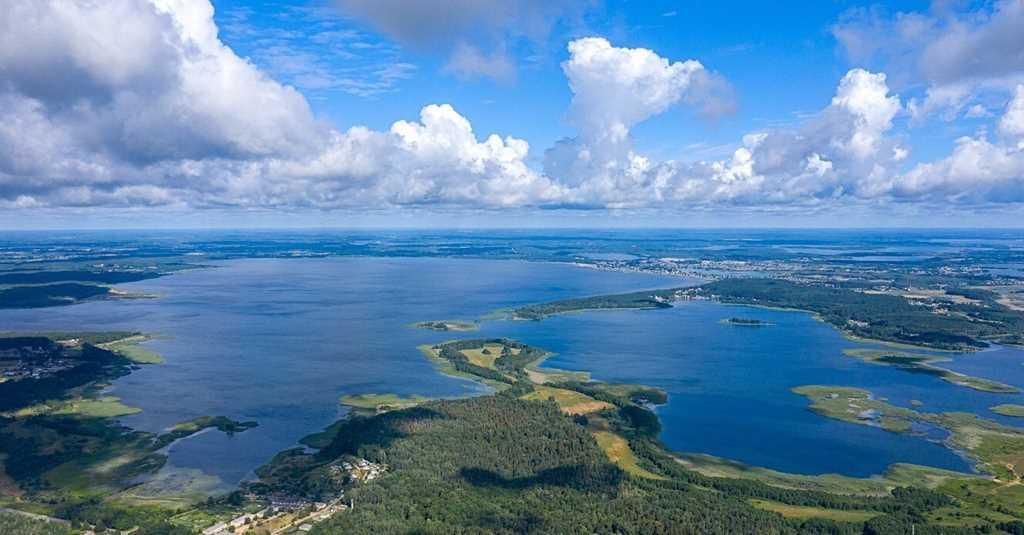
998,449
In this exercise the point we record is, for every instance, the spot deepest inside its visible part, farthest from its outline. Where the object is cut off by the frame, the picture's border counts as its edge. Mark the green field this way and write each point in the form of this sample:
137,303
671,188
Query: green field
803,512
98,407
377,403
1009,409
131,348
485,356
569,401
618,452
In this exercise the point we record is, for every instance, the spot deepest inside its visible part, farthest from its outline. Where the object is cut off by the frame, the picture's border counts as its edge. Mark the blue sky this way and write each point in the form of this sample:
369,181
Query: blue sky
378,112
781,58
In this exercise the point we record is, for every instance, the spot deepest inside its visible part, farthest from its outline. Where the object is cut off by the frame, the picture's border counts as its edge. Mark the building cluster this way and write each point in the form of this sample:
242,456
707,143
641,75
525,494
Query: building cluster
361,470
284,514
32,363
238,524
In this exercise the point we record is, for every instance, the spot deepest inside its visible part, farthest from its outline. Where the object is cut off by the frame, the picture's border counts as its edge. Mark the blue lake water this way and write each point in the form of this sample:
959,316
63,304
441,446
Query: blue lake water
278,341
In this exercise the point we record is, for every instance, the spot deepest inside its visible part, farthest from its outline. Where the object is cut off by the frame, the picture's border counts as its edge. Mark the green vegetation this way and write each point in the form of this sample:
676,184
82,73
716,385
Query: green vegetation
98,407
378,403
16,523
220,423
745,322
963,325
618,452
898,475
998,449
49,295
801,512
1009,409
635,300
924,364
569,401
55,371
51,276
856,406
521,460
63,455
448,325
130,347
952,324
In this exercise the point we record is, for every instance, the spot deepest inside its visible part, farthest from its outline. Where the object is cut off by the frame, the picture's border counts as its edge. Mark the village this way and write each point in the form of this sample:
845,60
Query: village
287,514
30,361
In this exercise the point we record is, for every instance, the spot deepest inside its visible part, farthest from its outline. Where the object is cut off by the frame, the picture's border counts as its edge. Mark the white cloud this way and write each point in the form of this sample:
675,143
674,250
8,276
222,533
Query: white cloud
957,54
614,89
1012,122
163,113
978,170
841,151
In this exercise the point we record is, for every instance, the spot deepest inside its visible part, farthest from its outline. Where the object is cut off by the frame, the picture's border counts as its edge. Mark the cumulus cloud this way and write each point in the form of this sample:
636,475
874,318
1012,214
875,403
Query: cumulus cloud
162,112
956,53
978,170
843,150
614,89
161,87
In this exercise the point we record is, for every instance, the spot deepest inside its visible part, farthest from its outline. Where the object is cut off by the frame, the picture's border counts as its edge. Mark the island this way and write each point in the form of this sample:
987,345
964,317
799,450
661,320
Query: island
633,300
745,322
1009,409
448,325
920,363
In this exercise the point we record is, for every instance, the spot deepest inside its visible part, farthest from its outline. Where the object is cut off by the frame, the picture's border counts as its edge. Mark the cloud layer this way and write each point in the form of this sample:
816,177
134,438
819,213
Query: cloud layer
162,113
956,54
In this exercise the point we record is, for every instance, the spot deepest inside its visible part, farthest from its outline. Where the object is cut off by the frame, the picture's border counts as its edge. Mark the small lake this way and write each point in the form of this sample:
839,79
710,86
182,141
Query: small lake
279,341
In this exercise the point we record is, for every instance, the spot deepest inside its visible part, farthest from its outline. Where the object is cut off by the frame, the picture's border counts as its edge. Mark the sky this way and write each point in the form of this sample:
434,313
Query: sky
510,113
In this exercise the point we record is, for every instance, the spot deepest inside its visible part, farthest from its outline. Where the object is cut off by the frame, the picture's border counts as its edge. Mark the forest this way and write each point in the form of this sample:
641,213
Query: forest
880,316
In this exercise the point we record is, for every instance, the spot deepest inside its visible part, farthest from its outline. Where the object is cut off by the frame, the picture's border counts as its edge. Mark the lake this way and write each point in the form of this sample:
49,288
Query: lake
279,341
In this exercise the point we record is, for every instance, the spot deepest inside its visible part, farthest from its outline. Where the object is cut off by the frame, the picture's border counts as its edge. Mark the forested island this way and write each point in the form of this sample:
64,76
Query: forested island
745,322
635,300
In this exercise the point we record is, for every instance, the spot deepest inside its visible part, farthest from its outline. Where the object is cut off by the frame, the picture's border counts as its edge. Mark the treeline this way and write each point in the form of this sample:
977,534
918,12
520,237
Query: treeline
878,316
49,295
498,464
105,277
104,515
643,299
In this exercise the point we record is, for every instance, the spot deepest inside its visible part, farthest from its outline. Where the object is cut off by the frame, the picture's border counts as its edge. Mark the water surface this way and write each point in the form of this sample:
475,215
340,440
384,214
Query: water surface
278,341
